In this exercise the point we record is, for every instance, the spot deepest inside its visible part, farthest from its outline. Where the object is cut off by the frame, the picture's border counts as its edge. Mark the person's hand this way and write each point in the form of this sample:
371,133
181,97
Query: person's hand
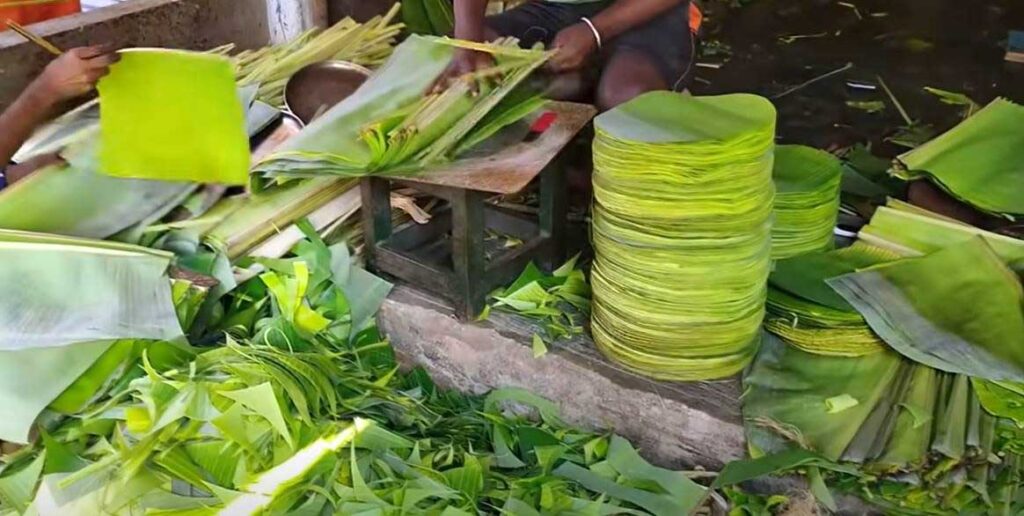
573,46
464,62
75,72
20,171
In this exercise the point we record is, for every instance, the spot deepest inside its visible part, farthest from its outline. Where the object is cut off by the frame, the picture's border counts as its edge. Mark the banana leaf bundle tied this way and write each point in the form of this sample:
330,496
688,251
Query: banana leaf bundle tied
681,230
306,412
978,161
391,124
805,312
807,185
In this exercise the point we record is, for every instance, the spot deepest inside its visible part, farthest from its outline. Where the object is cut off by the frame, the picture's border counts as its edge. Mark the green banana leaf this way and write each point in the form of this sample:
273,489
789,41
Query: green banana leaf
681,231
958,310
414,17
50,340
978,161
120,291
807,185
173,115
788,392
389,123
30,379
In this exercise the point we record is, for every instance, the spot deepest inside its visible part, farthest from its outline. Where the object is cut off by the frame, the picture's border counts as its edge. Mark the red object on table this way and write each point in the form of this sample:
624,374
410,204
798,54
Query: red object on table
34,13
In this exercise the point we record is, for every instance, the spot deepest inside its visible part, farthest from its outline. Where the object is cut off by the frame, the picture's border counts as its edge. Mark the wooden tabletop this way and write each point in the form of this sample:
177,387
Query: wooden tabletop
510,166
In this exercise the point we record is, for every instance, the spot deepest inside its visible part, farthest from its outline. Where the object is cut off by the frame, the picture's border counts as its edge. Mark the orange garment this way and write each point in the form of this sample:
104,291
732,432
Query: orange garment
696,17
35,12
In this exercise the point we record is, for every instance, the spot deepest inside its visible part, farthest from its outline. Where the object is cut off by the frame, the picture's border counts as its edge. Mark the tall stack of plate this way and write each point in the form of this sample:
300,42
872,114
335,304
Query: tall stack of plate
682,232
806,200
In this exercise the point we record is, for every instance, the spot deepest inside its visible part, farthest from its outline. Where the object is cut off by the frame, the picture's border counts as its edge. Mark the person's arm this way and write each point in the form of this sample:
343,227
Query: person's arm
470,24
71,75
576,43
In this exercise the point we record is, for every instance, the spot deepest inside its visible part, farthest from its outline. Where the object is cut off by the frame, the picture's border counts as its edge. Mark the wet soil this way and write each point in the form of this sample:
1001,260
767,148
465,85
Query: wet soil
955,45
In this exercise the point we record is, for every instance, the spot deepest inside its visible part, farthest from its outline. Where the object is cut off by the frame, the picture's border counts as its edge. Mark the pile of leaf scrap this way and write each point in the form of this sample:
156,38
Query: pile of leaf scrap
893,369
290,401
559,302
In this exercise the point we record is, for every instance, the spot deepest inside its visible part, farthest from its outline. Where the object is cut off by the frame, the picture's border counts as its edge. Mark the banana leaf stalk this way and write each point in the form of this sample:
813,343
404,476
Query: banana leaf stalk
368,44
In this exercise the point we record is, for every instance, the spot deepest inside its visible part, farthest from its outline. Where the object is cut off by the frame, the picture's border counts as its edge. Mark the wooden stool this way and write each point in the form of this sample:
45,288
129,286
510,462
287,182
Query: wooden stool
448,255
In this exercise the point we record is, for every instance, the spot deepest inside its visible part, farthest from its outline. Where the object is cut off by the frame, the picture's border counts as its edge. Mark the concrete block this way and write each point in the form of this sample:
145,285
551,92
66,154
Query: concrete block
675,425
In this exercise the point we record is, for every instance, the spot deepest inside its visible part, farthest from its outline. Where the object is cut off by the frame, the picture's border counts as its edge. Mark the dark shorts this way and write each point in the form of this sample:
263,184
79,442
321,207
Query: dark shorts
667,40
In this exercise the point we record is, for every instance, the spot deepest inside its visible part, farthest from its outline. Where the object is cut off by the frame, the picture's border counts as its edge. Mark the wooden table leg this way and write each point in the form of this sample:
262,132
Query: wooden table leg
376,209
468,252
554,211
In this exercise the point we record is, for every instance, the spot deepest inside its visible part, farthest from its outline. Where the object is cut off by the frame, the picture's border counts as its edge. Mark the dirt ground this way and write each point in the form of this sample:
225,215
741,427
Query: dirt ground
771,46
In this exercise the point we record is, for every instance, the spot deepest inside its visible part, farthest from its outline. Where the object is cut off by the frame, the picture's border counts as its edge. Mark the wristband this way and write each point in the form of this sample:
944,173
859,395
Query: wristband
597,35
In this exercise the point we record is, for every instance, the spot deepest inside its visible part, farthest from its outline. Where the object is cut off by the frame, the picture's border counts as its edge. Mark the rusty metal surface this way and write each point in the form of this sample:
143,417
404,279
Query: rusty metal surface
512,168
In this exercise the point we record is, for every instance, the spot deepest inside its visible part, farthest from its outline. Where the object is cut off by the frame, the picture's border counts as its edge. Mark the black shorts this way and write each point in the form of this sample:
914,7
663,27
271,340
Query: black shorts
667,40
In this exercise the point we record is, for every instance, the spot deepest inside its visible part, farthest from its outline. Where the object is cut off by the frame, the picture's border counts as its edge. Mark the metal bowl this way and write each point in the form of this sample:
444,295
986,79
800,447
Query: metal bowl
317,87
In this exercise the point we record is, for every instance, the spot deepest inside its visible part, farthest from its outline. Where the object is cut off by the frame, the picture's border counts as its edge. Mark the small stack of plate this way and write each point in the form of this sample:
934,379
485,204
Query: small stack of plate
806,200
682,232
807,313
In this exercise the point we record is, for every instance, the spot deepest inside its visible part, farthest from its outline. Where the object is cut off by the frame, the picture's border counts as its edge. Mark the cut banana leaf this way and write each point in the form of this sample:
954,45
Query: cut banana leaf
978,161
174,116
120,291
681,231
913,231
958,310
72,201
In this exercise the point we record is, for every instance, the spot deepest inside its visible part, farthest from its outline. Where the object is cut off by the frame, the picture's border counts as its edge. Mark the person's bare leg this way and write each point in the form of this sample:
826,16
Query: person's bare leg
627,75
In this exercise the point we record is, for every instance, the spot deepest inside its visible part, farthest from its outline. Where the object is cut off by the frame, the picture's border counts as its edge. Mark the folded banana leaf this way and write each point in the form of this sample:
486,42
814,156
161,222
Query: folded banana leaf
817,402
913,231
958,310
978,161
173,115
389,123
807,184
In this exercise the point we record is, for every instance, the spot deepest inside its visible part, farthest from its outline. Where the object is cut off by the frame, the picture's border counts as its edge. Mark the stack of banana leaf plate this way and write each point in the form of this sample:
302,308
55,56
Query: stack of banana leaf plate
682,232
978,161
806,313
807,184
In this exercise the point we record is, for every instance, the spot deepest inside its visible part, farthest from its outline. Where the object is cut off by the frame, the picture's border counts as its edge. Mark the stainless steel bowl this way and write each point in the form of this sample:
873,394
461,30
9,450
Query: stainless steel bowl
318,87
